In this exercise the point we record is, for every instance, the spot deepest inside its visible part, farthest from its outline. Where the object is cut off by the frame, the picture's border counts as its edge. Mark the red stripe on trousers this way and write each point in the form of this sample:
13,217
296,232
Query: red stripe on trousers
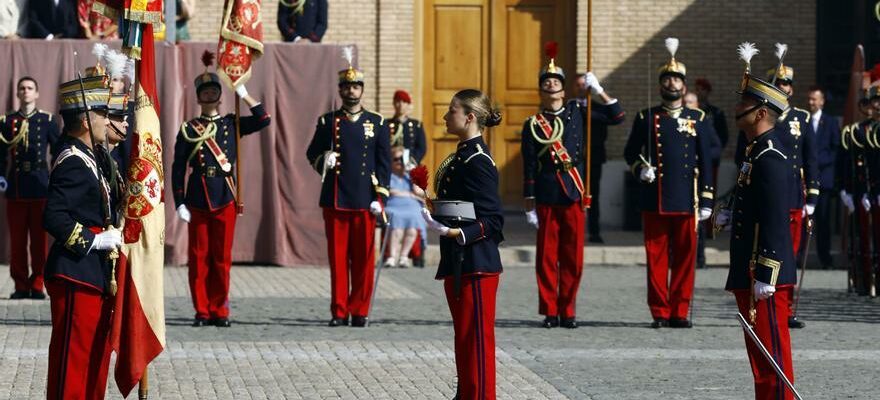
25,219
671,245
796,225
210,259
473,318
771,326
560,258
351,253
79,348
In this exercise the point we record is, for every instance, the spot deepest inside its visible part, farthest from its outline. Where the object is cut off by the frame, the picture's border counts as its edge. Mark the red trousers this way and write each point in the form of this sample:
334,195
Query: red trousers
25,219
79,348
796,224
671,246
210,259
473,318
560,258
352,257
771,326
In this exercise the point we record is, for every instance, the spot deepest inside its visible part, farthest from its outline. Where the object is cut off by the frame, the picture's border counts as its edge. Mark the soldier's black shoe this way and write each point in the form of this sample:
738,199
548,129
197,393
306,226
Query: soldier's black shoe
659,323
680,323
596,239
199,322
38,295
334,322
569,323
20,294
550,322
795,323
221,322
358,322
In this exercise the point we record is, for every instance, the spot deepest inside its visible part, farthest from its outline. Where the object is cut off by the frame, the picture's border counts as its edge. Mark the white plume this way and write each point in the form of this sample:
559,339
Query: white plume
115,63
348,54
746,51
129,70
781,49
98,50
672,46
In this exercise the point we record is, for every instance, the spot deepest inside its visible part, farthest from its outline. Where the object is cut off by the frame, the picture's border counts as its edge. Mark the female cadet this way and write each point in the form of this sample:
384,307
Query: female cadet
469,263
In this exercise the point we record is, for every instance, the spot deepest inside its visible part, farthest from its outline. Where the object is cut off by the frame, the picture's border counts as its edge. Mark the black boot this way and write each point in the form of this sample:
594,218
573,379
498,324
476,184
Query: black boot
551,321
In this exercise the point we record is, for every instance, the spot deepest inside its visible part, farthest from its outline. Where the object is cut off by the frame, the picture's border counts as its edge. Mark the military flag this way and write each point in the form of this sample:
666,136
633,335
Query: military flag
241,41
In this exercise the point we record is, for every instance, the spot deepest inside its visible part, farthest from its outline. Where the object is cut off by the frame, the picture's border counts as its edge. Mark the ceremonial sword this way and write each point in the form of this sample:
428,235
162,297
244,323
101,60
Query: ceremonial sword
797,292
750,333
378,267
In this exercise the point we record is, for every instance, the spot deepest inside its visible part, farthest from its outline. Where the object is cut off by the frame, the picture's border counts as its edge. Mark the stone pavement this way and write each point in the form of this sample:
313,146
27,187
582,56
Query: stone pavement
280,348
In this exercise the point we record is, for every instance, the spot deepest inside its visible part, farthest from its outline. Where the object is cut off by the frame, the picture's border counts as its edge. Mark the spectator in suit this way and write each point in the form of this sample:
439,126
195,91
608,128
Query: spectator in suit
302,20
9,16
52,19
827,142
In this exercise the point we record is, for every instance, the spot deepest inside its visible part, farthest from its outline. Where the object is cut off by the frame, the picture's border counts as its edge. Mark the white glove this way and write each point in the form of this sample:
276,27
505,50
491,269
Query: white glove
3,184
183,213
593,83
297,39
722,218
809,209
866,203
647,174
375,208
532,218
705,213
241,91
763,290
432,224
847,200
107,240
50,36
330,159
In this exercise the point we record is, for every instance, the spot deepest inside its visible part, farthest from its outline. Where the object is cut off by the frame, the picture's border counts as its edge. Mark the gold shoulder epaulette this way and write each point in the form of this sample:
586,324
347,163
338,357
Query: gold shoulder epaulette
702,113
381,118
806,113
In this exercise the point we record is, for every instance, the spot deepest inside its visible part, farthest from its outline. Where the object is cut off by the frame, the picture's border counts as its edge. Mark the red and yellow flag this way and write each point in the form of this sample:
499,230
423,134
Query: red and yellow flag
138,333
241,40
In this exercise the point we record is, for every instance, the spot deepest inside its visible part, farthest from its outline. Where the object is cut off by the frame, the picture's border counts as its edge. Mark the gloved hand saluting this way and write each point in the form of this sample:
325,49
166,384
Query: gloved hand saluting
593,83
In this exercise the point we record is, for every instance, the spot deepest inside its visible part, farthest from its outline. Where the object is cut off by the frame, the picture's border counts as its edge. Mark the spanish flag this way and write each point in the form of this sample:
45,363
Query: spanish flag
138,333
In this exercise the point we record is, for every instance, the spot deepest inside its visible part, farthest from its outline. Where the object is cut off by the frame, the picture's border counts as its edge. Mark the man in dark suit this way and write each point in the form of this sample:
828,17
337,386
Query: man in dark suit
52,19
827,141
302,19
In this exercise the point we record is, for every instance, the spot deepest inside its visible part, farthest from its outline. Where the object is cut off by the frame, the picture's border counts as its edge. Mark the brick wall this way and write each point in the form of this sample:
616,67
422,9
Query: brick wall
624,34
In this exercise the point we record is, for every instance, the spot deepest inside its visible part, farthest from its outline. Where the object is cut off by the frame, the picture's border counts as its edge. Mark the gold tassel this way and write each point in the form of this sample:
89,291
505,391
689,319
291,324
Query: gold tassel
114,256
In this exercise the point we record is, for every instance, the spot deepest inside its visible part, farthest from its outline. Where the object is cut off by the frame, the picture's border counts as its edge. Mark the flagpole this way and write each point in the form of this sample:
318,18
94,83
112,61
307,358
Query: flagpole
144,385
240,205
589,126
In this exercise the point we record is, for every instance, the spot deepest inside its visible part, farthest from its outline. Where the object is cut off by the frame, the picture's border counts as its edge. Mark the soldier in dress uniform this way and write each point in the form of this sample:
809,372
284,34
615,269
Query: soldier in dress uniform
407,132
206,146
554,167
78,268
668,151
351,151
25,136
762,262
470,264
859,180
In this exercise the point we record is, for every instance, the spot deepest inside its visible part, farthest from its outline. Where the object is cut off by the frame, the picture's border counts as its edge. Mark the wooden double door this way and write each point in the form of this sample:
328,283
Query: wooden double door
495,46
